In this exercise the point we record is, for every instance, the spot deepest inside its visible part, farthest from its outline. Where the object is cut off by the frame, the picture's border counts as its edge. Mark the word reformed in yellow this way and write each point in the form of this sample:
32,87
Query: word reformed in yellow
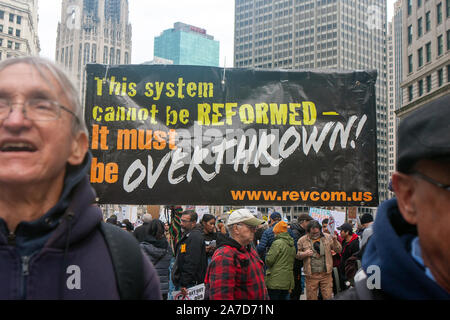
219,114
156,89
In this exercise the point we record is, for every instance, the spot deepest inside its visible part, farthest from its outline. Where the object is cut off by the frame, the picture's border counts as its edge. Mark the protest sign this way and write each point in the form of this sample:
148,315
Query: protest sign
336,217
194,293
211,136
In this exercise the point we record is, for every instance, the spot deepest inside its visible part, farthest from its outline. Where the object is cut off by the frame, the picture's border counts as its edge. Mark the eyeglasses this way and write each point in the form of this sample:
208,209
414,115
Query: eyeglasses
35,109
428,179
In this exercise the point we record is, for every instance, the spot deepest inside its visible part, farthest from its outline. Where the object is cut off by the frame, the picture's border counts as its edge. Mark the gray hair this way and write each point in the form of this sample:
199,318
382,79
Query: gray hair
68,88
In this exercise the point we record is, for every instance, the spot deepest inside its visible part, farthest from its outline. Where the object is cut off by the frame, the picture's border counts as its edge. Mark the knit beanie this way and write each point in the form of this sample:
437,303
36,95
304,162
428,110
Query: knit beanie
280,227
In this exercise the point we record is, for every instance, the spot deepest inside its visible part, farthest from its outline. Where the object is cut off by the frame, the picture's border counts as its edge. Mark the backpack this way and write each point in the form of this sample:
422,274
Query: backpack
127,259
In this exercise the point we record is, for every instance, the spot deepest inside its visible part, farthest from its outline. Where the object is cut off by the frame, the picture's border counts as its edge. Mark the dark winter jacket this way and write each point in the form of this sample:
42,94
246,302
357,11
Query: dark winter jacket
63,254
235,272
141,232
348,249
191,262
389,253
160,255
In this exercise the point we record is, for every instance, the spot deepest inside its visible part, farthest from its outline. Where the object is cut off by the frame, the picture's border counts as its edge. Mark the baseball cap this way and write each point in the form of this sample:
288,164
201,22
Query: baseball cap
424,134
244,216
275,215
366,218
346,227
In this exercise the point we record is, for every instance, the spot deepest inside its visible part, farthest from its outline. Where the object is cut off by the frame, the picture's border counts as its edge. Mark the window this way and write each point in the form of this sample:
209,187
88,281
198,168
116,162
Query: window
10,30
1,28
429,83
448,73
9,44
105,55
420,57
439,13
440,77
410,34
410,93
111,56
410,63
17,46
419,3
1,42
447,8
427,21
409,7
448,39
2,14
18,33
11,17
420,85
440,45
94,52
19,20
419,27
428,51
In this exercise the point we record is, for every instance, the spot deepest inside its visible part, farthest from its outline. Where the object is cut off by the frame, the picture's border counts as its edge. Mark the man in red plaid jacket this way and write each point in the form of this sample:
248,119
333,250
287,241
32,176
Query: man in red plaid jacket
236,272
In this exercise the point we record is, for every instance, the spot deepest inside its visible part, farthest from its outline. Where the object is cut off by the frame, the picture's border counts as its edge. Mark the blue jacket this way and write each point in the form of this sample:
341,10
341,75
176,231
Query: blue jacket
62,256
389,248
267,239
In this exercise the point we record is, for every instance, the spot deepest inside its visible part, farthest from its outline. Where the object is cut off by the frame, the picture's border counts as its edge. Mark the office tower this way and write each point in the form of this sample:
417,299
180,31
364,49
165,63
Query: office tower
187,45
319,34
18,28
426,52
94,31
395,74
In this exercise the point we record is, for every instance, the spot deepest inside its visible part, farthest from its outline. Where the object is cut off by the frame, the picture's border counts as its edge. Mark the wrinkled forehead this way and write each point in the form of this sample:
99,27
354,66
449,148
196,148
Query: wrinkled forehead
32,81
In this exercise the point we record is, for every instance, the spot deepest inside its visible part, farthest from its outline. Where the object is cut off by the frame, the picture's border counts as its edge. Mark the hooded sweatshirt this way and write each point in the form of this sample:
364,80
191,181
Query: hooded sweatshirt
63,254
390,249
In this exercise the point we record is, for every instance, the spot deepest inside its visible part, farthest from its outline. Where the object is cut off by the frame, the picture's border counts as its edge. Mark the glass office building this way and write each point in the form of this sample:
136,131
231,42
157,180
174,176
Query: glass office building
187,45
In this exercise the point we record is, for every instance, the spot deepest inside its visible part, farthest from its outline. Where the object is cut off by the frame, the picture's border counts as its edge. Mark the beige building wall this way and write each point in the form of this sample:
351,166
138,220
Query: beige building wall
426,52
18,28
92,31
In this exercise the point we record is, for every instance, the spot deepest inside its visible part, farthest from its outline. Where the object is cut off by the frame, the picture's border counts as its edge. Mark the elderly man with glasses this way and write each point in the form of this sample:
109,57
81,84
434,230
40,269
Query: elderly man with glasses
236,271
408,255
51,242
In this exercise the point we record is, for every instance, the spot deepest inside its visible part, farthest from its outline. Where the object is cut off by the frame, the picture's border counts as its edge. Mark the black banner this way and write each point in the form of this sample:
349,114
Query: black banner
165,134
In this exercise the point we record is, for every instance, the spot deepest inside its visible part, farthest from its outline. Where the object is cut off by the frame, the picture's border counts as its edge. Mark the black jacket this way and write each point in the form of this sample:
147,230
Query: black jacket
160,255
141,232
191,262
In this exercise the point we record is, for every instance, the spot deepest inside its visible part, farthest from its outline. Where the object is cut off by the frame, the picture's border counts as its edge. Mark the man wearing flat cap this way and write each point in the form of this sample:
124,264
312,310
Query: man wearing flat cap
236,272
408,255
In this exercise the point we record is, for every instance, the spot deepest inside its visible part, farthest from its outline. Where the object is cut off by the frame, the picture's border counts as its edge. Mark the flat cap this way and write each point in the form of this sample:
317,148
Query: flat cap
424,134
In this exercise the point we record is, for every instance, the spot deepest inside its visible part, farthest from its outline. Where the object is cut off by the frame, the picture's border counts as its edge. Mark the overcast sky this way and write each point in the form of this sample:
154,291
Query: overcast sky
150,17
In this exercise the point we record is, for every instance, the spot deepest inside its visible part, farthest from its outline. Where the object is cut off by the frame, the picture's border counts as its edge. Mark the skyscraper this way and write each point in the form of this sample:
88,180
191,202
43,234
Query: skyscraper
92,31
188,45
426,52
319,34
18,28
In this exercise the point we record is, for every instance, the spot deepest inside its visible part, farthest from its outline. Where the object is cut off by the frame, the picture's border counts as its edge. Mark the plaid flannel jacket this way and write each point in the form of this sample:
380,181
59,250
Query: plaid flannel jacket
236,273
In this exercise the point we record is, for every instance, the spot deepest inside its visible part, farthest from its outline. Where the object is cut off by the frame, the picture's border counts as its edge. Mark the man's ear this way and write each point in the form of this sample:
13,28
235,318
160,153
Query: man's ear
404,188
79,149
